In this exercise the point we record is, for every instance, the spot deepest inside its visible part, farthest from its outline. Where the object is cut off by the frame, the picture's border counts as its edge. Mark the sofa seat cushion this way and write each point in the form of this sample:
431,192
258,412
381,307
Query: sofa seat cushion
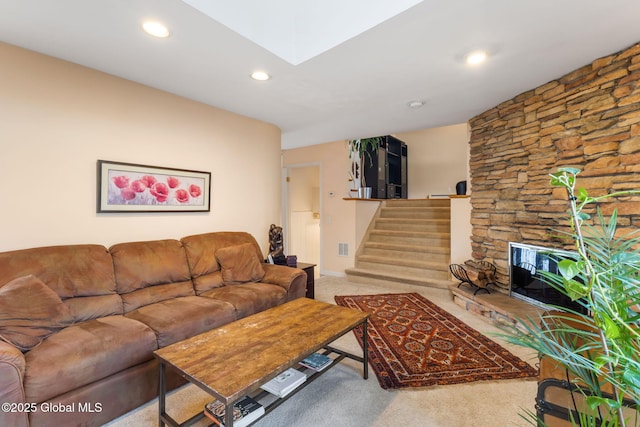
249,298
84,353
176,319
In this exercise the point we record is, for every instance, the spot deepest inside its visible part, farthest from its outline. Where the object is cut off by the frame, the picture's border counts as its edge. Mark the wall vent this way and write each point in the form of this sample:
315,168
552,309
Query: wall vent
343,249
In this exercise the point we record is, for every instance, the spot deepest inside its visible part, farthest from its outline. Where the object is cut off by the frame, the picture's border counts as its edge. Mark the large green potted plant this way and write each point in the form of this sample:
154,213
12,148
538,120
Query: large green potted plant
602,345
359,149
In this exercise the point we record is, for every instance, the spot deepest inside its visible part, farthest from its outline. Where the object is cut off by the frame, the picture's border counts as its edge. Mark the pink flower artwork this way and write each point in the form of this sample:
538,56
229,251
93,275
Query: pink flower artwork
173,182
160,191
194,190
138,186
121,181
128,194
144,189
148,180
182,196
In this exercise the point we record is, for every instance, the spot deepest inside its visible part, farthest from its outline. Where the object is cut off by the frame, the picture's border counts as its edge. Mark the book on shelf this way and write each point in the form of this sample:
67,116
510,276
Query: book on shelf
316,361
245,411
284,383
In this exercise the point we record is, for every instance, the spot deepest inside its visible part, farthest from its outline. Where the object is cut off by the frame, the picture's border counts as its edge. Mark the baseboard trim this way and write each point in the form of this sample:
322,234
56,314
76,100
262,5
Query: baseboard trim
332,273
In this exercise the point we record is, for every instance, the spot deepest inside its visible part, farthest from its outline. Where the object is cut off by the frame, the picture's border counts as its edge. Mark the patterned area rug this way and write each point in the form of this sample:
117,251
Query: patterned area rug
415,343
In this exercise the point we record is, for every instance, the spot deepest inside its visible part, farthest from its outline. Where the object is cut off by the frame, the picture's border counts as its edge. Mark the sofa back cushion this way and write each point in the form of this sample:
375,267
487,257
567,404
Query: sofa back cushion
201,254
239,264
81,275
148,272
30,311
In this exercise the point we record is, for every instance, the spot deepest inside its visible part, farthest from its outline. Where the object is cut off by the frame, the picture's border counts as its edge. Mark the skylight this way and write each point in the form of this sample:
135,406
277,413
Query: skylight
298,30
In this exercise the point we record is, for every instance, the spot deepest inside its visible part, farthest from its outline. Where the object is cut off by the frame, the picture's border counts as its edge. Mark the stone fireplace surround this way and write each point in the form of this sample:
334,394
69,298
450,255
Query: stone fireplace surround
588,118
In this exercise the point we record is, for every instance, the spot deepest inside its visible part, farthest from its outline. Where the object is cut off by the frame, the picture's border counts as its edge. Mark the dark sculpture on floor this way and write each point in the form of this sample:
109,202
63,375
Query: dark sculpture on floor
276,245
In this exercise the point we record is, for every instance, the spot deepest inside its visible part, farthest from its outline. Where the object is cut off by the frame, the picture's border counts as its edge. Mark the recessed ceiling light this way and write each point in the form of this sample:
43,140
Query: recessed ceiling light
156,29
476,57
260,75
415,104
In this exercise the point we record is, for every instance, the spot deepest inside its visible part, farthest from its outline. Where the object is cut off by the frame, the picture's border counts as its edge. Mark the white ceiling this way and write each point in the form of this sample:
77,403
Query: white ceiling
356,88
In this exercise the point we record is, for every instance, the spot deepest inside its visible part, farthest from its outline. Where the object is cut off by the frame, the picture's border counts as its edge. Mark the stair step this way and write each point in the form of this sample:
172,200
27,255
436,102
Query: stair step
408,252
415,212
435,273
407,248
411,238
422,203
360,275
437,225
403,262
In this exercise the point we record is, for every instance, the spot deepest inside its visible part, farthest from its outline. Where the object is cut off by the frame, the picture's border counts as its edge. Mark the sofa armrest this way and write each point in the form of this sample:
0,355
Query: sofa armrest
12,368
293,280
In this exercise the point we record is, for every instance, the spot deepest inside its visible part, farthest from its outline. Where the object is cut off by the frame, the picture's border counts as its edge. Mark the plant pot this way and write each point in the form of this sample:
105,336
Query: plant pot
364,192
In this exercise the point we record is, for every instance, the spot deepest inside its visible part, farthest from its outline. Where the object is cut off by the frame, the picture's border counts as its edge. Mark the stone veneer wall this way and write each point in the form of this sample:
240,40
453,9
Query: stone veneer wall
589,118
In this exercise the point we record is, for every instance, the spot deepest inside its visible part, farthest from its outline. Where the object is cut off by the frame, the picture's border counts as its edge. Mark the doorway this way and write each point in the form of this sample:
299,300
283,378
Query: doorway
302,213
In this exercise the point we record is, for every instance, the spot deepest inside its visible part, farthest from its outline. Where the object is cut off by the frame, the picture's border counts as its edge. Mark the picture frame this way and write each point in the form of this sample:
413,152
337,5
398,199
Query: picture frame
130,187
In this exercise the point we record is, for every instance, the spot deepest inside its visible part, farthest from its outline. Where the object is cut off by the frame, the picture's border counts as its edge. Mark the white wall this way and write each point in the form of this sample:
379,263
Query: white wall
58,119
460,230
337,215
437,159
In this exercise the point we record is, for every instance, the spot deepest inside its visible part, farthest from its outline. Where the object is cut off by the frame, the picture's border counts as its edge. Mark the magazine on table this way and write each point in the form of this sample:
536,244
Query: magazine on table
285,383
316,361
245,411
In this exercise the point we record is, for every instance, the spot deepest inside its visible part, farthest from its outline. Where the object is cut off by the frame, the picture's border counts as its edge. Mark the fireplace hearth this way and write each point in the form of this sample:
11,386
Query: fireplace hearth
496,306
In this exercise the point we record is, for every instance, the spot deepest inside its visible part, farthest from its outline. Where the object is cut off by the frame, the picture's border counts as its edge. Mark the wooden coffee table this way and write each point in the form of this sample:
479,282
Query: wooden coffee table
234,360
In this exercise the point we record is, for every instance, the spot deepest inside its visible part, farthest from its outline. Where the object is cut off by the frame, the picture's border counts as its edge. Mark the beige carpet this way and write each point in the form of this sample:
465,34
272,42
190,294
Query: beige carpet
342,398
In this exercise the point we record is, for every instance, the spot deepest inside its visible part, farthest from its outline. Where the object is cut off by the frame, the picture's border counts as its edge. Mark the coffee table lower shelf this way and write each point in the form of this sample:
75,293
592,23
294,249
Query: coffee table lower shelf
267,400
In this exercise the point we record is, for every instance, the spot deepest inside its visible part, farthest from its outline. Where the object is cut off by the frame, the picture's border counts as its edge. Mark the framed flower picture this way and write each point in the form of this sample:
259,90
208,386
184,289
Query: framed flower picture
128,187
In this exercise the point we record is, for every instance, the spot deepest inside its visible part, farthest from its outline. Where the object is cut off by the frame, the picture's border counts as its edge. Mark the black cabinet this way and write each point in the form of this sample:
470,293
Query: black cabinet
385,170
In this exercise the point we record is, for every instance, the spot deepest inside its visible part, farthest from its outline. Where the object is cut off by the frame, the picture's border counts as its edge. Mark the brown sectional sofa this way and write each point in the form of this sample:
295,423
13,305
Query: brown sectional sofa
115,307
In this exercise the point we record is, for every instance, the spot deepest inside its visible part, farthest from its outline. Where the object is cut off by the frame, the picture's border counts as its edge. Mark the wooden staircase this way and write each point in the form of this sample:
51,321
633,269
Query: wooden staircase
408,241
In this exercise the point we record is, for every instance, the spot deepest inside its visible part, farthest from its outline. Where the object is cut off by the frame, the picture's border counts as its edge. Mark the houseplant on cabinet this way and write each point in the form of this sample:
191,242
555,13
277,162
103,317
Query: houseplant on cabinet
600,347
358,150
